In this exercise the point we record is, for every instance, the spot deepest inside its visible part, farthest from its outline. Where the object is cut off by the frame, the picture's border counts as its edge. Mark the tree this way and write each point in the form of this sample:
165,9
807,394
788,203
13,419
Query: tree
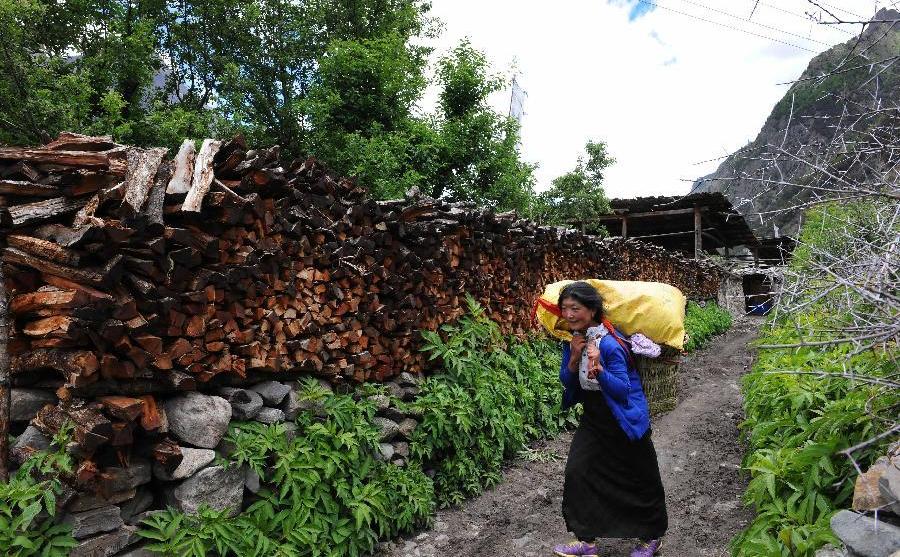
478,151
334,78
578,195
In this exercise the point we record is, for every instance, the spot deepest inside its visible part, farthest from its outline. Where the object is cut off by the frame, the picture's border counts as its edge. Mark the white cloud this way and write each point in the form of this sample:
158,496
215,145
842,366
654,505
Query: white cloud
591,72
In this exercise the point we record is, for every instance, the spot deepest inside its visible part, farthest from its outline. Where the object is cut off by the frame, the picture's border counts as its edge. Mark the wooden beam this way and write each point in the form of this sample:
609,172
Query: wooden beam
698,230
668,212
664,234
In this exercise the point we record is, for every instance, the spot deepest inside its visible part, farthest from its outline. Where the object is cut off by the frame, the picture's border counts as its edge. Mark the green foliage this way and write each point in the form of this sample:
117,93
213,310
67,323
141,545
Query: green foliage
578,195
324,494
493,395
339,80
704,322
797,423
28,505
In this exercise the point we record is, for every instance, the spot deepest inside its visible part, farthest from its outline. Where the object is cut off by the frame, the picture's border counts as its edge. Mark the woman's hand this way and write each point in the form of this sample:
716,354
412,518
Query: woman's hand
576,347
593,366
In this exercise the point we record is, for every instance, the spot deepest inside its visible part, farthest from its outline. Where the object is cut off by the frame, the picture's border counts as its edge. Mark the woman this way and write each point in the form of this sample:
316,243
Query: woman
612,485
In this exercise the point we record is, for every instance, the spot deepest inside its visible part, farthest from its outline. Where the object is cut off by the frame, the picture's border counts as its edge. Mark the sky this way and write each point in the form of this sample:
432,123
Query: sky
671,86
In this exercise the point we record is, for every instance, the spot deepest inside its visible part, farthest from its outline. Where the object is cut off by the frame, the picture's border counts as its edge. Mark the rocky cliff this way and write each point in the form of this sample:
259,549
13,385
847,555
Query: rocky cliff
770,179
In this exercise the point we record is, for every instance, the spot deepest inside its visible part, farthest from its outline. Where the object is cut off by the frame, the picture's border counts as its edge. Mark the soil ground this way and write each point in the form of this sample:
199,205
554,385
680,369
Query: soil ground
699,453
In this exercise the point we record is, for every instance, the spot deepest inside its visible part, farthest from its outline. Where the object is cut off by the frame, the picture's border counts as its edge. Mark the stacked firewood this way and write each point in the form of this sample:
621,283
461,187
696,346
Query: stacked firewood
131,275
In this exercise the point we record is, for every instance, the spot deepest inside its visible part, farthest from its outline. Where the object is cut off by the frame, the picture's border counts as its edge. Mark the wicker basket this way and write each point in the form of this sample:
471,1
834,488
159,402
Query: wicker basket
659,377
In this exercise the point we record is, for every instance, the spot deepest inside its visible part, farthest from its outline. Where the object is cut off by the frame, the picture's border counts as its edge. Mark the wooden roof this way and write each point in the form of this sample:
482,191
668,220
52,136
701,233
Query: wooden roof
669,221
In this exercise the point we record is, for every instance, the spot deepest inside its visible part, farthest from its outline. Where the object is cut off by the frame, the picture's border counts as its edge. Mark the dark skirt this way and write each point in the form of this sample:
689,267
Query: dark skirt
612,487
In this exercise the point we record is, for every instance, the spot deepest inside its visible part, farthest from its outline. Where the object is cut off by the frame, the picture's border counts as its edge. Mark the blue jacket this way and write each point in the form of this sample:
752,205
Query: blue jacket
619,383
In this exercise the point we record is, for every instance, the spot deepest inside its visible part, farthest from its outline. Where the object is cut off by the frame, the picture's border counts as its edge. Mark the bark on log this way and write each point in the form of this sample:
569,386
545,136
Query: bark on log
203,175
32,213
141,175
184,169
19,187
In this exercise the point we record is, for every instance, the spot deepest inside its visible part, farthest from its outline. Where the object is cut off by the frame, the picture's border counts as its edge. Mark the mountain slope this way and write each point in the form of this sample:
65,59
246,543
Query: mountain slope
838,90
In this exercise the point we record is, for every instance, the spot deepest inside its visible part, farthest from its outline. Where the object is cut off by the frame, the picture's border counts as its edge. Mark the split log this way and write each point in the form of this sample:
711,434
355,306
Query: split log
112,161
184,169
142,167
203,175
18,257
44,248
69,362
19,187
31,213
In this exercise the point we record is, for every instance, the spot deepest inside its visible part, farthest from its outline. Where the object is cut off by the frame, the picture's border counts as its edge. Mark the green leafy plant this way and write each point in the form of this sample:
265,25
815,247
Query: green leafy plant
28,523
802,410
323,493
704,322
492,396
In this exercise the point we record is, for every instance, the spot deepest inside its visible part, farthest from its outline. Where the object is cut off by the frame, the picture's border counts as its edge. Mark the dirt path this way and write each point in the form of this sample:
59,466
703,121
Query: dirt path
699,454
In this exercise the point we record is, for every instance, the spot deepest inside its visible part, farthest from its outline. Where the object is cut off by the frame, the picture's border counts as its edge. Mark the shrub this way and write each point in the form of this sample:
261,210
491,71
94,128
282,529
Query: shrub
28,505
493,395
704,322
324,494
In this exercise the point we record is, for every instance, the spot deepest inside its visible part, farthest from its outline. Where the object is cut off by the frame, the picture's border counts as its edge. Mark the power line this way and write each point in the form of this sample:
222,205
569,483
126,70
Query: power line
804,17
698,18
754,22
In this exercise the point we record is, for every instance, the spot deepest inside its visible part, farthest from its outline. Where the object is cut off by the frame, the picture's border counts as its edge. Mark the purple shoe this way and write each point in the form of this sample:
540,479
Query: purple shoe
576,549
646,549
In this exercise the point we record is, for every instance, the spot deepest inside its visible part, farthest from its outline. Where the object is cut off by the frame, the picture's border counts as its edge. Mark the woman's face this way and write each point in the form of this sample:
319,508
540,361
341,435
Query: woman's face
578,316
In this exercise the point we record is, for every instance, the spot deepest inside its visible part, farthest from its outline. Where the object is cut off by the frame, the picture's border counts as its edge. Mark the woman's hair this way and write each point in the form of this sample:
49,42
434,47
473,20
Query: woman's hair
584,294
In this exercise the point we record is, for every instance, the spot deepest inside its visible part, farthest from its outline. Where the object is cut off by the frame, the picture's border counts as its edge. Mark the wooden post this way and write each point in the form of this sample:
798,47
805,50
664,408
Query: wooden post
625,226
698,230
4,380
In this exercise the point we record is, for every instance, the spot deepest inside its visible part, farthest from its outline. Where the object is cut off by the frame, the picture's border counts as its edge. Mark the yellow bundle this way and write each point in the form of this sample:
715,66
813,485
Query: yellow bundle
652,308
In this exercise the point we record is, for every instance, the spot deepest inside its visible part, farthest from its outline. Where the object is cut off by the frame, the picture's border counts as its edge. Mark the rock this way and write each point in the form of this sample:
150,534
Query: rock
192,460
406,428
94,521
139,472
385,452
398,462
401,449
830,551
394,389
863,536
387,429
135,506
866,494
87,501
270,416
220,488
272,392
381,402
33,438
106,544
245,404
197,419
410,394
392,413
291,406
407,379
889,486
25,403
251,480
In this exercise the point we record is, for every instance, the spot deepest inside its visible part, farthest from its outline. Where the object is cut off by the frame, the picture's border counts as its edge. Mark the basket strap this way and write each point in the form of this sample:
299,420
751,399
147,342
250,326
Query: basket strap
612,331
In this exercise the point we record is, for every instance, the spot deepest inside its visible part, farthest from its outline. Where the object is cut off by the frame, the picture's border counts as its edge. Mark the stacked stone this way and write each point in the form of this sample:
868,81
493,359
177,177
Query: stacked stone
871,531
395,426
